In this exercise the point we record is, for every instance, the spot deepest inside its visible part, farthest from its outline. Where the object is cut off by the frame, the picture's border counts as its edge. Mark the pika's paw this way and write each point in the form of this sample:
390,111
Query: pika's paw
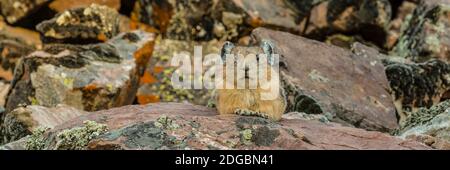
245,112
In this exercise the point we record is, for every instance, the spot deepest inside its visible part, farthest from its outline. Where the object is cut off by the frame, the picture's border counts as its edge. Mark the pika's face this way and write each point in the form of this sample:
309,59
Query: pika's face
248,62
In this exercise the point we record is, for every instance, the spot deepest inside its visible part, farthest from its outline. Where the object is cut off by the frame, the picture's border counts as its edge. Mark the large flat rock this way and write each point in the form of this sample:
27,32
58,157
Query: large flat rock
319,78
185,126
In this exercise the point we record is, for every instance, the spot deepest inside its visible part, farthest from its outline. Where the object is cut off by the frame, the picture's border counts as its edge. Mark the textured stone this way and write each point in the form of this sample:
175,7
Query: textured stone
279,14
417,85
369,18
224,20
23,121
350,85
127,25
429,126
14,10
4,88
156,85
63,5
90,77
426,36
185,126
15,43
404,13
91,24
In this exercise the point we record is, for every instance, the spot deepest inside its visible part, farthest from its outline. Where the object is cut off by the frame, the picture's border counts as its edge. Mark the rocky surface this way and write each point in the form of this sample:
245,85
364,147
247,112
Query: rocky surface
25,120
15,43
63,5
375,57
185,126
4,88
429,126
86,25
369,18
156,85
90,77
228,20
396,27
14,10
348,85
426,36
417,85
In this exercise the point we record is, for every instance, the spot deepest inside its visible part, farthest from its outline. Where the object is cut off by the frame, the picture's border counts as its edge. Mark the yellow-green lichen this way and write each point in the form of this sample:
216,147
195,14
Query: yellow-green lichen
78,138
165,122
34,101
246,136
36,141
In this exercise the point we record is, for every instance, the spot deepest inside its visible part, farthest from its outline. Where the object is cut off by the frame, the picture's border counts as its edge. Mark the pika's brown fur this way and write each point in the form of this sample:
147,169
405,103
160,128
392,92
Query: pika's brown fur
247,101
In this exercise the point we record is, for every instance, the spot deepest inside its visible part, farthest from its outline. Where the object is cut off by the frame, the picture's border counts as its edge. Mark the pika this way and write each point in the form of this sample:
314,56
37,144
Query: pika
248,101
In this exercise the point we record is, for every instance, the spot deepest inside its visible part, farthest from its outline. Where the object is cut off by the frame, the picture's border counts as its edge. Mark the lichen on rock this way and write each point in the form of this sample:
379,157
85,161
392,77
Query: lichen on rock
77,138
95,23
36,140
425,36
423,116
429,126
165,122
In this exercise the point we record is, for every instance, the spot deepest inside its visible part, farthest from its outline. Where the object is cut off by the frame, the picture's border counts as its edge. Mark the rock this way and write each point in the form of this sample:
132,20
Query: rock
156,84
153,13
429,126
127,25
11,50
345,41
185,126
90,77
350,85
14,10
368,18
181,20
426,36
417,85
16,145
15,43
404,13
205,20
92,24
4,88
304,116
24,120
63,5
279,14
29,37
434,142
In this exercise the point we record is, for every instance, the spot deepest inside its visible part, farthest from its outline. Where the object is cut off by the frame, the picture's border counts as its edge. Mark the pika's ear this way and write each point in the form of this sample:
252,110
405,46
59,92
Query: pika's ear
268,49
226,49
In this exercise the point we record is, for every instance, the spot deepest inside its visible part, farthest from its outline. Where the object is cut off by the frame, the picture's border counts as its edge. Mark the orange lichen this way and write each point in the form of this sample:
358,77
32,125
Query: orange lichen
102,37
141,26
256,22
90,87
146,99
143,54
147,78
158,69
